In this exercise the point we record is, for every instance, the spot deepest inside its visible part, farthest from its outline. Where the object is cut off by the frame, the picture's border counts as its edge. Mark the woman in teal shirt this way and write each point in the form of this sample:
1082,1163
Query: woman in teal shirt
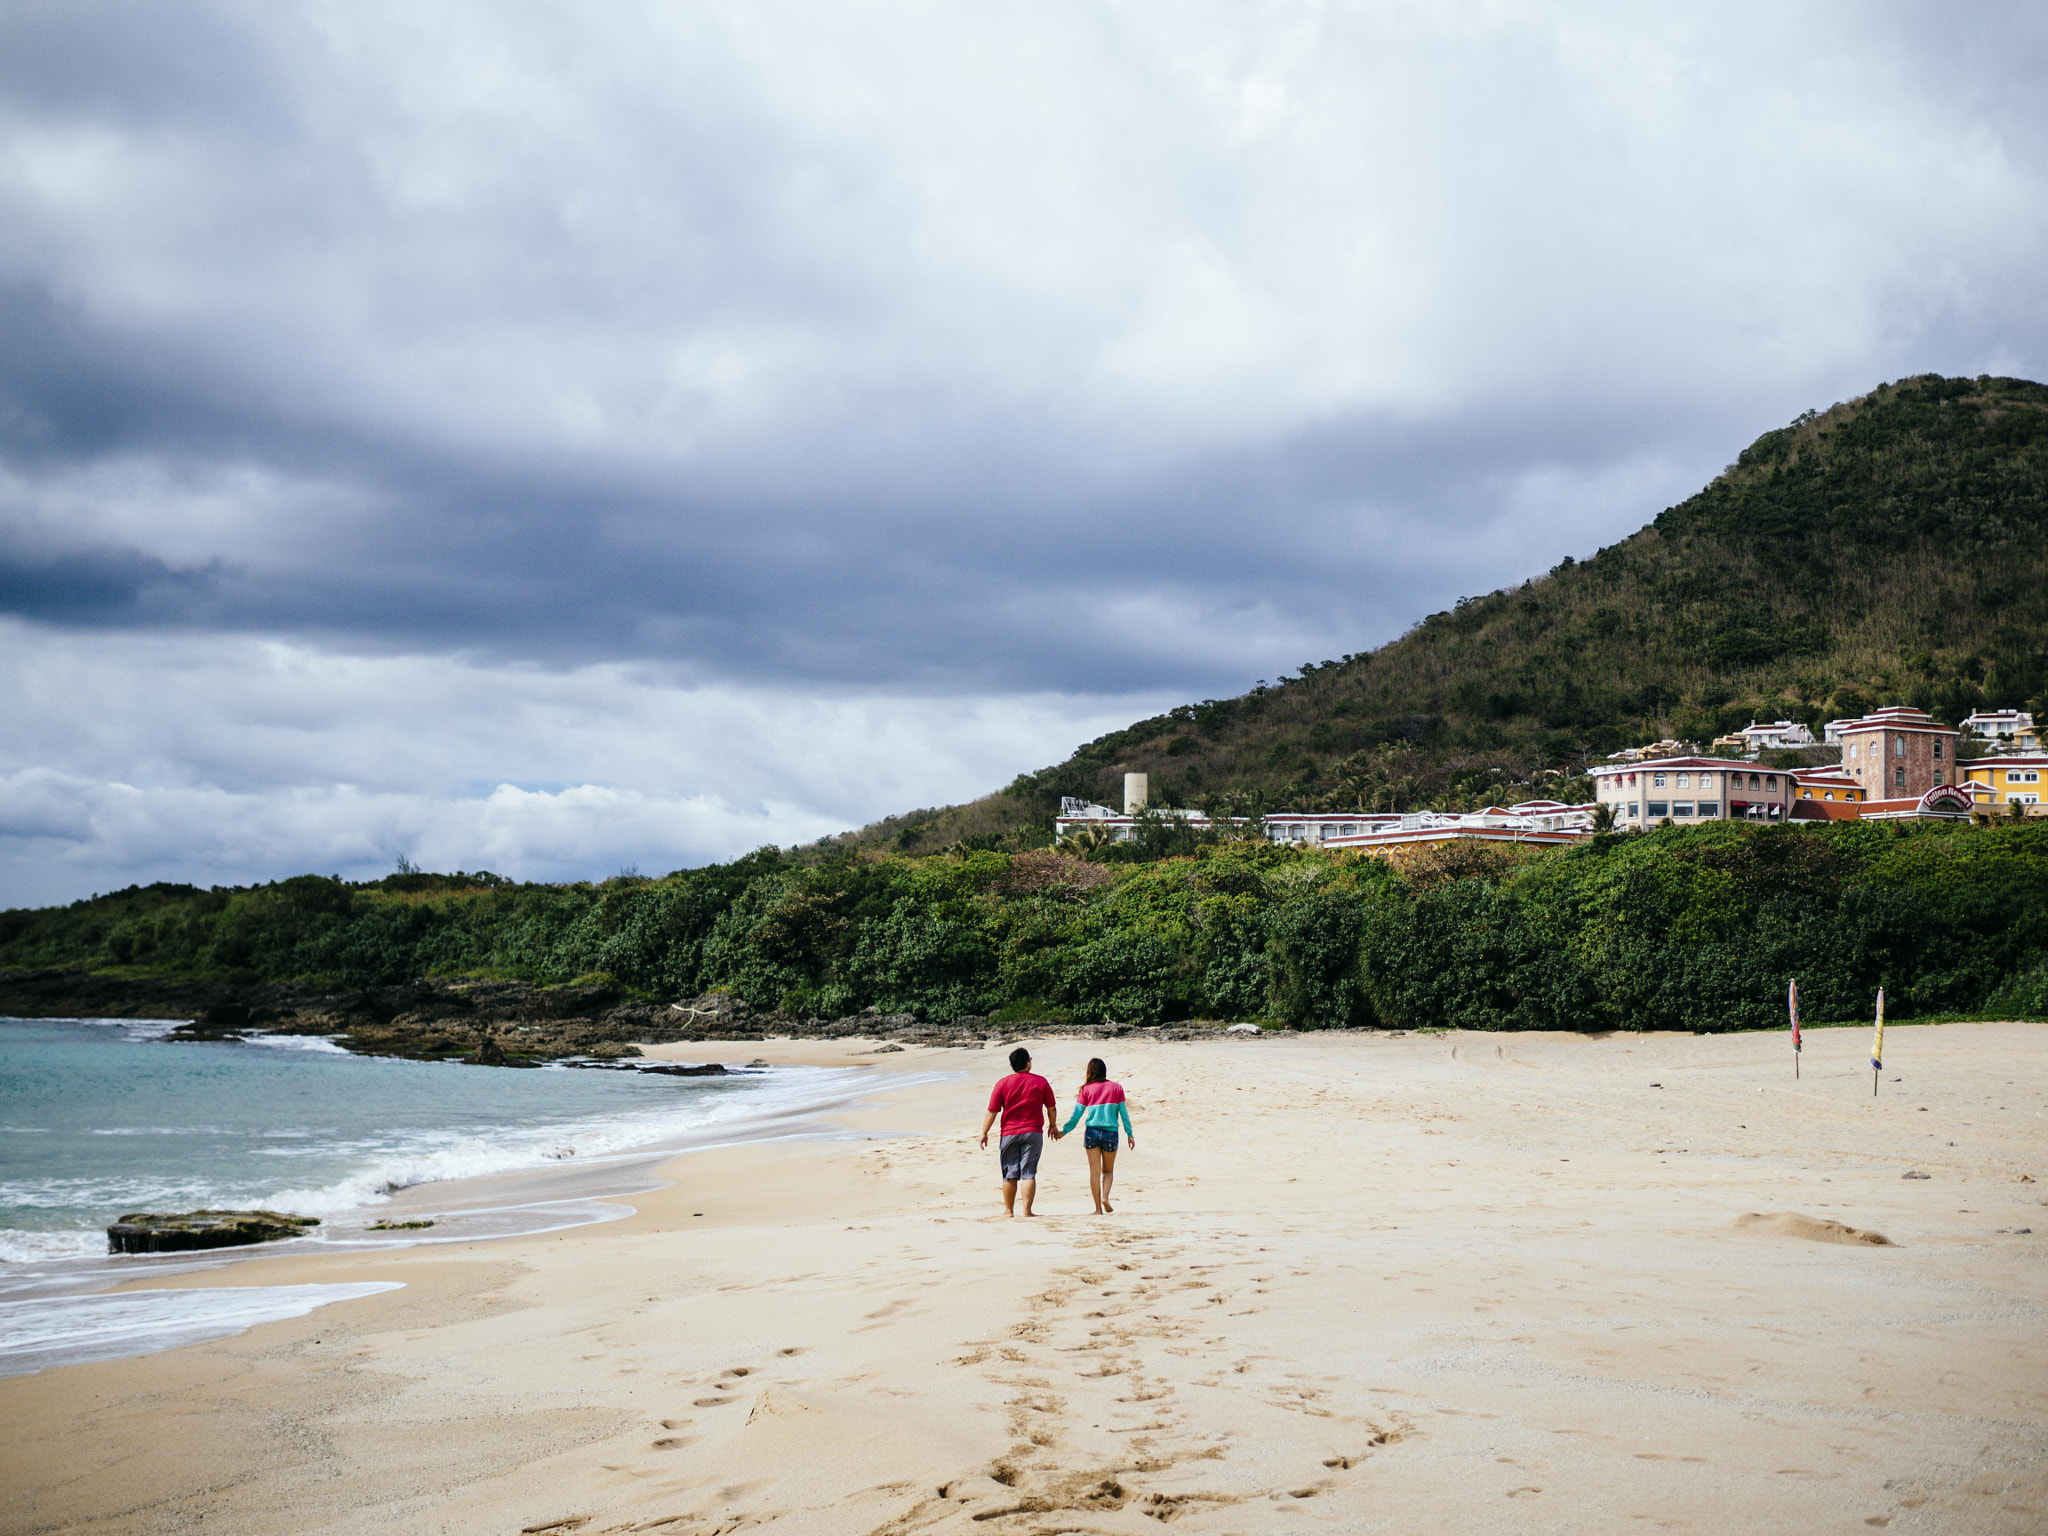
1101,1103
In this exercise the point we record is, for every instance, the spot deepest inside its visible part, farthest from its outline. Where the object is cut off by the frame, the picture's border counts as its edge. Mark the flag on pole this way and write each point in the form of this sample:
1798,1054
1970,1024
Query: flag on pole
1792,1003
1877,1045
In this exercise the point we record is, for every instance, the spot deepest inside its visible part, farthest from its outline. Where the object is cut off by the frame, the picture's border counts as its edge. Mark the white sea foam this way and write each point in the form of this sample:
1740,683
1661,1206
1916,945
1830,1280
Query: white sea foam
594,1141
35,1335
299,1043
18,1246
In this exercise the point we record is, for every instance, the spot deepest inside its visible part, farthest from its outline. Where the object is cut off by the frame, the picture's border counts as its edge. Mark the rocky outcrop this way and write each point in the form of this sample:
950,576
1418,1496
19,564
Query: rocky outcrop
491,1022
146,1233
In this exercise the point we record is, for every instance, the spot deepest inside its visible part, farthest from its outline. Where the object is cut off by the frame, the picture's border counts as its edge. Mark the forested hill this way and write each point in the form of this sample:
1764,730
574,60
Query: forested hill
1889,550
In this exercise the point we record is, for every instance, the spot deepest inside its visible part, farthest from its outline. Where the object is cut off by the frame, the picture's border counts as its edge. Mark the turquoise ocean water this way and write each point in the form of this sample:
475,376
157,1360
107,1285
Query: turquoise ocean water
102,1117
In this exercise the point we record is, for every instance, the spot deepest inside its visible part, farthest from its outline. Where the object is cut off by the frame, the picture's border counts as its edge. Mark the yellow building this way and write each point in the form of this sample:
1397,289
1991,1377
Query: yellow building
2003,781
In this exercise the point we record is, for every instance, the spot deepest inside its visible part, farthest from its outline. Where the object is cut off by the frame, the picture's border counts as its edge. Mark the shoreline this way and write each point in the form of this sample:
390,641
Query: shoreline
530,1200
1448,1283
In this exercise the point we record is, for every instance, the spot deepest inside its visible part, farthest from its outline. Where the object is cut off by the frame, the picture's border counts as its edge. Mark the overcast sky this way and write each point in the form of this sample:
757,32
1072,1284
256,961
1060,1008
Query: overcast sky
564,437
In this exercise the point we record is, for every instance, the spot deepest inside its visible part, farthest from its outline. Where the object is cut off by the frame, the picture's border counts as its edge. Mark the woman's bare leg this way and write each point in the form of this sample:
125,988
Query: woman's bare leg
1108,1165
1095,1177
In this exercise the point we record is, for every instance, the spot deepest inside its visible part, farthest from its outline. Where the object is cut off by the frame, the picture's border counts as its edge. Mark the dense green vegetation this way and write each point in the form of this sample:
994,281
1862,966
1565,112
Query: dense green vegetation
1685,928
1888,551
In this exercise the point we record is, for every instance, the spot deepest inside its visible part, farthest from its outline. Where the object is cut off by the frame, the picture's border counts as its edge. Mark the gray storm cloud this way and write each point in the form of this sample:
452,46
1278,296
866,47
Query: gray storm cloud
938,354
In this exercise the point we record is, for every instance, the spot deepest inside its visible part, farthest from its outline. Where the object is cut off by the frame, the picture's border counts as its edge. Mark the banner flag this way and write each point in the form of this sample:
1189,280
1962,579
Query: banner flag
1877,1045
1792,1003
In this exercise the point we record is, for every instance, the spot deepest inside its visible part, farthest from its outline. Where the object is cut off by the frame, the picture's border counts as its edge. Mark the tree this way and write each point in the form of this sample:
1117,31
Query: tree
1086,842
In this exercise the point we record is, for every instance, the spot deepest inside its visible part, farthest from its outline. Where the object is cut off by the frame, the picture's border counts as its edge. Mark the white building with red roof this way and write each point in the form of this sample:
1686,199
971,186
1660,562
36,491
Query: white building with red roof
1528,821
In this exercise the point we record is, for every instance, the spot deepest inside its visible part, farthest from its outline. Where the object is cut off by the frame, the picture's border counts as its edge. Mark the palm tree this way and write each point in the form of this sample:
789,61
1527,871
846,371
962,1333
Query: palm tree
1086,842
1357,788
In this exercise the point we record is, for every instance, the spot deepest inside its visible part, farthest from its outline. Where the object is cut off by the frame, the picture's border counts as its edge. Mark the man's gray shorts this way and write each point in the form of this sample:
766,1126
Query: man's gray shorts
1020,1156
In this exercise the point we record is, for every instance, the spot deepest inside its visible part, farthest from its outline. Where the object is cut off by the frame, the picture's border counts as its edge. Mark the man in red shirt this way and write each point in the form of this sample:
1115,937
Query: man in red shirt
1025,1101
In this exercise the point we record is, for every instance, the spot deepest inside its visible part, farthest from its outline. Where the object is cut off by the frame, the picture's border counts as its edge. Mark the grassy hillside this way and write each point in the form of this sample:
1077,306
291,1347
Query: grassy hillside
1890,550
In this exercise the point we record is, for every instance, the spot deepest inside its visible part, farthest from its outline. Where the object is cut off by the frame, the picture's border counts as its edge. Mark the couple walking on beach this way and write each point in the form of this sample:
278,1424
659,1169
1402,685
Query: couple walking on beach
1022,1097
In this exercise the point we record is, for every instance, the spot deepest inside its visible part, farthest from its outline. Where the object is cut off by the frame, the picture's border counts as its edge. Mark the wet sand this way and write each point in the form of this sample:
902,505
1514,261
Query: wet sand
1463,1283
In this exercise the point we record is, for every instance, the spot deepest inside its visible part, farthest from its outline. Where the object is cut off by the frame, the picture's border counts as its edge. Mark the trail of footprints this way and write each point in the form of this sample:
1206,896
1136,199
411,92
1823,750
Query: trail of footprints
1091,1430
1078,1377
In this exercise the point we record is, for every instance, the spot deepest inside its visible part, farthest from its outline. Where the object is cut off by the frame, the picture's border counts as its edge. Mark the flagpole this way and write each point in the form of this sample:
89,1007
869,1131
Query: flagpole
1877,1045
1792,1002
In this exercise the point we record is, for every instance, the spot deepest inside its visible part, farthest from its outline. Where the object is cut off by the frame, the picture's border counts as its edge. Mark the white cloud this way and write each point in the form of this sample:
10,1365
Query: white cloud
218,761
773,414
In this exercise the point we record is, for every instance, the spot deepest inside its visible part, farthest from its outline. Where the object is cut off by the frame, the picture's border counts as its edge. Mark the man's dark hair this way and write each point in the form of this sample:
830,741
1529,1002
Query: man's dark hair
1019,1059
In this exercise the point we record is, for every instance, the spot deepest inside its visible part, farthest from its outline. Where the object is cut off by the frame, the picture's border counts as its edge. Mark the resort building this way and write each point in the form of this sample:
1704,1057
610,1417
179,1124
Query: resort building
1532,820
1779,734
1423,829
1999,782
1689,789
1898,753
1829,786
2009,728
1308,828
1654,749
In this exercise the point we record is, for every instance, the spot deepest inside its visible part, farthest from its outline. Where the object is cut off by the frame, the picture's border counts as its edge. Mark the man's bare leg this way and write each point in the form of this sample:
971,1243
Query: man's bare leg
1010,1199
1030,1188
1108,1178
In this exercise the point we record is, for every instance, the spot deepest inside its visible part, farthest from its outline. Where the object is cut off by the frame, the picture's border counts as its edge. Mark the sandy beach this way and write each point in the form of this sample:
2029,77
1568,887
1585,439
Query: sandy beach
1457,1283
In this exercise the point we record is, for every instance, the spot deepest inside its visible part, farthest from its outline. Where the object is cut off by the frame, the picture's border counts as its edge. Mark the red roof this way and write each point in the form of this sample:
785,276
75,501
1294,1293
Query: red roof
1856,810
1392,838
1659,763
1837,810
1897,717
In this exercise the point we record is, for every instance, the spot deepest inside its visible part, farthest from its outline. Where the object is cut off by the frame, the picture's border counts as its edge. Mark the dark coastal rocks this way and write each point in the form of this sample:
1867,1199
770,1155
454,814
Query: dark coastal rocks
678,1069
496,1023
147,1233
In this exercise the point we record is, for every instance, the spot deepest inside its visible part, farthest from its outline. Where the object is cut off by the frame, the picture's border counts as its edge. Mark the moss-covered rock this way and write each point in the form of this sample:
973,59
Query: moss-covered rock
149,1233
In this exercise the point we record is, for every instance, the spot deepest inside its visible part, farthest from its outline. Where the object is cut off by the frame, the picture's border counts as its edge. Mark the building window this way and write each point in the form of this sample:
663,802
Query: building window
1659,808
1710,807
1684,782
1755,782
1852,751
1828,796
1937,751
1937,775
1770,781
1681,808
1659,781
1898,746
1899,777
1632,809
